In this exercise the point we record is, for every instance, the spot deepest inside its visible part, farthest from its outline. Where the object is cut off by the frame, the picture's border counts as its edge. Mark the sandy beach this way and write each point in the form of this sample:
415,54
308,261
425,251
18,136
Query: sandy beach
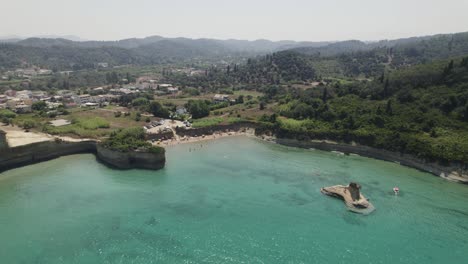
182,140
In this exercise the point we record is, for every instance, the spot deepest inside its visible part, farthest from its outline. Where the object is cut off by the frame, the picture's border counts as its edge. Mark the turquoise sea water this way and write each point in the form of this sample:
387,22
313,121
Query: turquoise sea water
234,200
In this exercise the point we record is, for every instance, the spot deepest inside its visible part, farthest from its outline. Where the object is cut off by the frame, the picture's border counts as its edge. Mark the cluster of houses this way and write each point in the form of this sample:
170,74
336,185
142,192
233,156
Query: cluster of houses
22,101
25,73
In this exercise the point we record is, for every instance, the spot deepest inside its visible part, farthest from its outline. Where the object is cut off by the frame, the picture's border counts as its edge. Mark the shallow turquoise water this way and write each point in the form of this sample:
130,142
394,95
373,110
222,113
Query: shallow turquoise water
234,200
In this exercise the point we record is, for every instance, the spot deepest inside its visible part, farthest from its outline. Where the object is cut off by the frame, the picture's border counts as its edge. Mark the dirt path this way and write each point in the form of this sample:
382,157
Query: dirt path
16,136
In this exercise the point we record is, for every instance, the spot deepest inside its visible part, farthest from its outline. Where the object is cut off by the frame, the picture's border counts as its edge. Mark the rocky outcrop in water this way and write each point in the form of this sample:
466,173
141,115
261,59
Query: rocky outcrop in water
351,195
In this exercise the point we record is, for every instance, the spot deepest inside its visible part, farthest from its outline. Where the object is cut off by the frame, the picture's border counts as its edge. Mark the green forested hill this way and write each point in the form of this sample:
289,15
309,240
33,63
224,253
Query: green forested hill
422,110
352,58
346,58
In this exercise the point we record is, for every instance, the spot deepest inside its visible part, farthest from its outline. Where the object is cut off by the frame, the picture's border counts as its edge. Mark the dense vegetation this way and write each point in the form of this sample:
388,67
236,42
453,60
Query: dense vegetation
422,110
61,54
130,139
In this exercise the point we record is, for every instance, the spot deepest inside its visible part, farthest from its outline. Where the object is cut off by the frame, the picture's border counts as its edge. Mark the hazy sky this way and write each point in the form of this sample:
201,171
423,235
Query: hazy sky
313,20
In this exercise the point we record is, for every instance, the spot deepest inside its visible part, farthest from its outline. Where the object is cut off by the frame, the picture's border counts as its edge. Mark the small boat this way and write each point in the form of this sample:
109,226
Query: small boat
396,190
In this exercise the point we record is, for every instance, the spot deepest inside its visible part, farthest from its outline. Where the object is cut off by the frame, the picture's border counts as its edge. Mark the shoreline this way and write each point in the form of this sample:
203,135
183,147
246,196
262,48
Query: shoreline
454,172
184,140
450,173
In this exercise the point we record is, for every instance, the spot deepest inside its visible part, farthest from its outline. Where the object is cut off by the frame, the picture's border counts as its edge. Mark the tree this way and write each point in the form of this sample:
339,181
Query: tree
465,113
39,106
240,99
198,108
28,124
158,110
6,121
140,101
138,116
448,69
385,90
389,109
7,114
325,95
382,78
262,105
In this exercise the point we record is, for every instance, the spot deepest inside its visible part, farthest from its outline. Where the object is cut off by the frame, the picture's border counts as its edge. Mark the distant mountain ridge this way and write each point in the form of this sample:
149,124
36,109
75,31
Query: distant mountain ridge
255,46
341,47
61,53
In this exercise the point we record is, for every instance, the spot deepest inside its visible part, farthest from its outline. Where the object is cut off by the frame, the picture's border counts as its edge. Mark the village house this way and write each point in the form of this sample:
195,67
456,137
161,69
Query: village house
98,90
180,110
172,90
197,73
122,91
103,65
10,93
164,86
44,72
25,73
51,105
23,108
24,94
221,98
67,73
66,94
82,99
38,95
11,104
57,98
89,104
143,86
3,98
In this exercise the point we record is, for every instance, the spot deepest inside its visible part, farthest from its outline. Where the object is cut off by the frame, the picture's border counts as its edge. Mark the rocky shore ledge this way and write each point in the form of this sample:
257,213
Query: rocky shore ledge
13,157
133,159
456,172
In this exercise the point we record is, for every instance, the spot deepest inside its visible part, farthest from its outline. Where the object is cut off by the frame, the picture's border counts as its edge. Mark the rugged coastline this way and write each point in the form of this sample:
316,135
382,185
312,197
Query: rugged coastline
457,172
42,151
131,160
17,156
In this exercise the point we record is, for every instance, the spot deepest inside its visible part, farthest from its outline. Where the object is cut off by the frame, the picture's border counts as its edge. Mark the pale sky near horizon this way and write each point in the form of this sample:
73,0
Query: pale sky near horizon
311,20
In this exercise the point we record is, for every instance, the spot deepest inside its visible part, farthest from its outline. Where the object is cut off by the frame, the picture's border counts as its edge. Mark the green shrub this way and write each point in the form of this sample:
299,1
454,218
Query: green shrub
7,113
130,139
93,123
